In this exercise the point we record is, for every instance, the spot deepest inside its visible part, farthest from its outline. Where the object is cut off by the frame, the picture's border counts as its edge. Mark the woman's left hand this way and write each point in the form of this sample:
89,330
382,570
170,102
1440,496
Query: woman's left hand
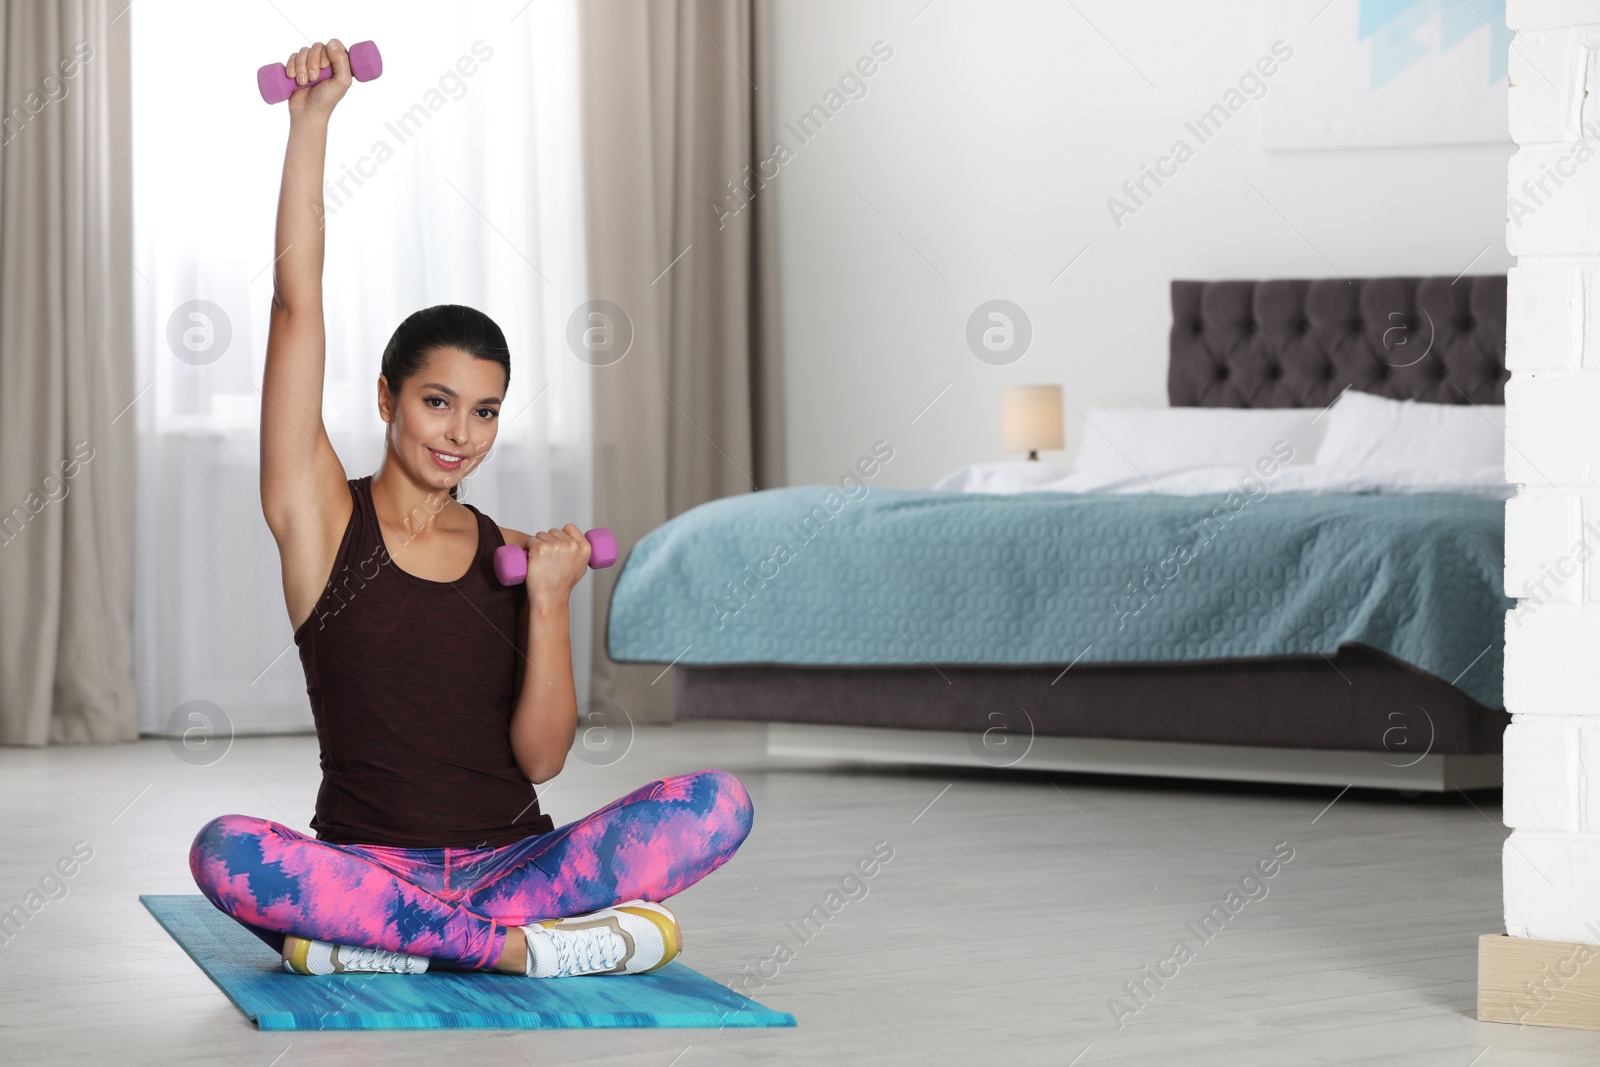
557,561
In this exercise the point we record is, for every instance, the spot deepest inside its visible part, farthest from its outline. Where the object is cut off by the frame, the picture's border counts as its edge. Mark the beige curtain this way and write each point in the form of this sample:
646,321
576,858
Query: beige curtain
678,135
66,374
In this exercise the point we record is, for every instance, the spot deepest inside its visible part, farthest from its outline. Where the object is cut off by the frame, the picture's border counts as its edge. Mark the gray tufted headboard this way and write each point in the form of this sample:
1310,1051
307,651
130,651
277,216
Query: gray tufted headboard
1299,343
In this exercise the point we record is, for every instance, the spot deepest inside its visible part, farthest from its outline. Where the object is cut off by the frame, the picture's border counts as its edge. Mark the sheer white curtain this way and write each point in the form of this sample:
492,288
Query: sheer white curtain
454,178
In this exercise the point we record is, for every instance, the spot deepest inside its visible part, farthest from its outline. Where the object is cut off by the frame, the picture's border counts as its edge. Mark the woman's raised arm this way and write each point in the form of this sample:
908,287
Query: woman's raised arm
303,492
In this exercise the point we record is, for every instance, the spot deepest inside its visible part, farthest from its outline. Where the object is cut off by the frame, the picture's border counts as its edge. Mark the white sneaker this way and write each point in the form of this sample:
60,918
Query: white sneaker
630,938
302,956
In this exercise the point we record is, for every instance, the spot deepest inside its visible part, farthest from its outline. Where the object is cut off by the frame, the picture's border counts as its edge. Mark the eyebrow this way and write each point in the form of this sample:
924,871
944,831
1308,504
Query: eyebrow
452,393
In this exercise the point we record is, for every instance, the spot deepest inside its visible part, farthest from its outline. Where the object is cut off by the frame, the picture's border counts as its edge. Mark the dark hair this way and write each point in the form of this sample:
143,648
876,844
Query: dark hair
442,326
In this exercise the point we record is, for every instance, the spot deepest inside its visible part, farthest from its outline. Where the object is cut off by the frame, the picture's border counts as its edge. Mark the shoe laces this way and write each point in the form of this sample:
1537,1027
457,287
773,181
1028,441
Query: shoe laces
597,948
374,959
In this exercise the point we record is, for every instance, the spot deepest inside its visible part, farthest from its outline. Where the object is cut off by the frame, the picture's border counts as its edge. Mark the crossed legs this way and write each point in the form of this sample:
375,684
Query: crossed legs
650,844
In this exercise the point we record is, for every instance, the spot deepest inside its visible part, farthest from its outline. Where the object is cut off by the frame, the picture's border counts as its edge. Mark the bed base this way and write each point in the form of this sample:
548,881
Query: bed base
1434,772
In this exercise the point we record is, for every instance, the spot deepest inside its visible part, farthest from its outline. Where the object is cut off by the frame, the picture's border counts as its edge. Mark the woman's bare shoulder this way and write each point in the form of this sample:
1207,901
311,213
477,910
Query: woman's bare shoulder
513,537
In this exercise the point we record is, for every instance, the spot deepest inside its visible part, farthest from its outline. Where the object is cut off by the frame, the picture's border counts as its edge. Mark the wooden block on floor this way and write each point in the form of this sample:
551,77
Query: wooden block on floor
1541,983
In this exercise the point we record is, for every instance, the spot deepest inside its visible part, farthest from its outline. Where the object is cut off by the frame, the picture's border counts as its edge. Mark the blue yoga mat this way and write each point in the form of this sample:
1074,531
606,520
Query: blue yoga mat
253,977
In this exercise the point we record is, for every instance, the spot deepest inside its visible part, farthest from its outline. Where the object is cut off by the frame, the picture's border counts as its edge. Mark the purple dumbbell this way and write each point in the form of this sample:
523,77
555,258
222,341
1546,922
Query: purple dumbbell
276,86
511,561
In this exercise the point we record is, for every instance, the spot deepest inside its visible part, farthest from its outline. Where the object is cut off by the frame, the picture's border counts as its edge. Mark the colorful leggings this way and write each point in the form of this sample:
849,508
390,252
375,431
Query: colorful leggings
454,904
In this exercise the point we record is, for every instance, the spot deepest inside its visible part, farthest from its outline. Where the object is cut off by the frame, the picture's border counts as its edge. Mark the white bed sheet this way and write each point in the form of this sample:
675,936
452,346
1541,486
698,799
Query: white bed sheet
1036,477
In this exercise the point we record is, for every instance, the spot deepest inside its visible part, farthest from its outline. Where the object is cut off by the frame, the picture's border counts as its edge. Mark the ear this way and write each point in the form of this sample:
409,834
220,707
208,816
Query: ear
385,400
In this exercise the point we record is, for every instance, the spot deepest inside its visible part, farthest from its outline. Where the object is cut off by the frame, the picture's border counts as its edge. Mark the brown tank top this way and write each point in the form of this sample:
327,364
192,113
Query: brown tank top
412,685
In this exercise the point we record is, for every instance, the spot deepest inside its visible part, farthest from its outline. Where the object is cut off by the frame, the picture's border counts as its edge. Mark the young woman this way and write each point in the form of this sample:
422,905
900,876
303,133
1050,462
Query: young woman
440,697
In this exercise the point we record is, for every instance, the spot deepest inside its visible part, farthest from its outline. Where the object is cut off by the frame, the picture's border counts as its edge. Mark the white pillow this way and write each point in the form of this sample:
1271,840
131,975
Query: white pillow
1369,432
1125,442
1006,476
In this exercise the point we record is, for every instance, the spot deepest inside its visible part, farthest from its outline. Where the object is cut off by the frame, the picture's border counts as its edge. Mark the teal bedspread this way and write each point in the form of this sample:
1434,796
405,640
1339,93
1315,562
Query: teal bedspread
806,576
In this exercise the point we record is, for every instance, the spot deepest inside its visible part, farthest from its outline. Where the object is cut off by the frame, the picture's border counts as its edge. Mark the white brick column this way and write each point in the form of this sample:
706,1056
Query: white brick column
1551,861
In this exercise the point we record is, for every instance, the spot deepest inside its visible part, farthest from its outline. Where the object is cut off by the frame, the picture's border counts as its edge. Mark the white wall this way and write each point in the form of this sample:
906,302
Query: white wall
1551,862
991,141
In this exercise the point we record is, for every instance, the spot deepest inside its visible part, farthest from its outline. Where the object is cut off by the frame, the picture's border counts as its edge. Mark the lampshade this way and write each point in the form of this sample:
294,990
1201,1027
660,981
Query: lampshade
1030,418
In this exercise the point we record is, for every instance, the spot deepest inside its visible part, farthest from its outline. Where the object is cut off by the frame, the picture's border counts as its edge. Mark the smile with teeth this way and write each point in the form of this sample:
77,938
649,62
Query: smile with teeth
447,460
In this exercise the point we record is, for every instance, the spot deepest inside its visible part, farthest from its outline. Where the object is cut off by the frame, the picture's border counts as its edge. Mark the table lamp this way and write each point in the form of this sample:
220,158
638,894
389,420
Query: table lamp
1030,418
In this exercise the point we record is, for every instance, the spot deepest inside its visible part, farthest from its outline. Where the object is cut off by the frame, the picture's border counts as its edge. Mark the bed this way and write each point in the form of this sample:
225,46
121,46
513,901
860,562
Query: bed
1335,638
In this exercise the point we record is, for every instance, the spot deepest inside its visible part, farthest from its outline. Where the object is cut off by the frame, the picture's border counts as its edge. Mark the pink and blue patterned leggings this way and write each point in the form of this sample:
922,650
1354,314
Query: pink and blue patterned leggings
454,905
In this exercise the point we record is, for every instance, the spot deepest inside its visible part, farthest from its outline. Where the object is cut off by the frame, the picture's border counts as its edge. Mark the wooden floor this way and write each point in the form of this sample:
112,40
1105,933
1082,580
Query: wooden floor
1015,908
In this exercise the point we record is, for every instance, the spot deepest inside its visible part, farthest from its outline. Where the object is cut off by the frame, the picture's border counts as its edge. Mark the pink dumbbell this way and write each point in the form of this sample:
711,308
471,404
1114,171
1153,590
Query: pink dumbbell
276,86
511,561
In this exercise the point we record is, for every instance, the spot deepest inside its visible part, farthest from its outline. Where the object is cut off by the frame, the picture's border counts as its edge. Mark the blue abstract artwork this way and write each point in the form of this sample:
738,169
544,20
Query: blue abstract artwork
1382,73
1392,29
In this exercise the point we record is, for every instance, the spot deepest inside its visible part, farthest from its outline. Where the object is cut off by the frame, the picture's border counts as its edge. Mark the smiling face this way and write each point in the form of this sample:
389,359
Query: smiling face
442,420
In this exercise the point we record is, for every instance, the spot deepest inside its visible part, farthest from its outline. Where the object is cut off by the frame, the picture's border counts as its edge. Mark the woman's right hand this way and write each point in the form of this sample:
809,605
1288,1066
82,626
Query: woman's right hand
327,91
304,493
